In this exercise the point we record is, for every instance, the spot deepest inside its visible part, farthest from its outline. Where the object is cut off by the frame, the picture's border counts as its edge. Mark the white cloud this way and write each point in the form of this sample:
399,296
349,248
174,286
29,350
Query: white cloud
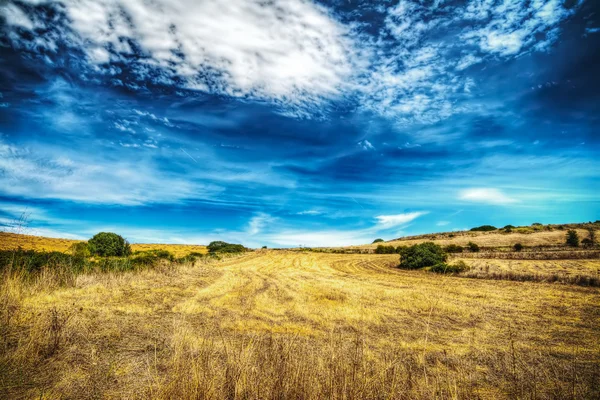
309,212
16,17
33,174
258,223
486,196
442,223
297,54
292,52
391,221
366,145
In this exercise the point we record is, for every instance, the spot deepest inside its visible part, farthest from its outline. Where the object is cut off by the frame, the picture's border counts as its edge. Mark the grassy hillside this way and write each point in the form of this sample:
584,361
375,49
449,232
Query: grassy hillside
9,241
302,325
530,236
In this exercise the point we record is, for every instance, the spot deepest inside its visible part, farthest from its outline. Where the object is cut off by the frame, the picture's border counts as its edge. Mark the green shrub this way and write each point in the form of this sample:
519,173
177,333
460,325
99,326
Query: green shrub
148,258
454,248
518,247
381,249
474,247
400,248
484,228
422,255
31,261
587,243
224,247
443,268
378,240
80,249
509,227
572,238
108,244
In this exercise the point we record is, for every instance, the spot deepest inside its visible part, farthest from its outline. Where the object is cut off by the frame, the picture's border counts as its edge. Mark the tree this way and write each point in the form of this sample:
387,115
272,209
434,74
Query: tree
224,247
454,248
377,240
518,247
474,247
592,236
108,244
422,255
484,228
381,249
572,238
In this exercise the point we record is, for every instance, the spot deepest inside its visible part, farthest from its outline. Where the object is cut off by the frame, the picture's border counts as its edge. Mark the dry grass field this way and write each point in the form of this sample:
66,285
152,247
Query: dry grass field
298,325
10,241
492,239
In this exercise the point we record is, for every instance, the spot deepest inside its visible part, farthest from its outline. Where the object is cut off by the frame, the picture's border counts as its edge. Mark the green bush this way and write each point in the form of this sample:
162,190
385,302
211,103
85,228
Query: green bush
422,255
587,243
484,228
443,268
377,241
224,247
474,247
148,258
108,244
454,248
400,248
572,238
518,247
80,249
32,261
381,249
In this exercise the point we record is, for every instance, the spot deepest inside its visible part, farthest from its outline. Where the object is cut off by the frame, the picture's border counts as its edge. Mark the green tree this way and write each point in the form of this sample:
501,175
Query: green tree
484,228
108,244
454,248
572,238
518,247
474,247
379,240
219,246
422,255
381,249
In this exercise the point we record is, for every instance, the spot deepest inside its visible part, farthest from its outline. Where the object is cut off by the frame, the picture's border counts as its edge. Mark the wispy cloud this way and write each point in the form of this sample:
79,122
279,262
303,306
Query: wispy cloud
392,221
486,196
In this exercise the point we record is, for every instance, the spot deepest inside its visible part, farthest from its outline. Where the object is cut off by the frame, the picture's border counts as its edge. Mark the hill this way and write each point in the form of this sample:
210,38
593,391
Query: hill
530,236
10,241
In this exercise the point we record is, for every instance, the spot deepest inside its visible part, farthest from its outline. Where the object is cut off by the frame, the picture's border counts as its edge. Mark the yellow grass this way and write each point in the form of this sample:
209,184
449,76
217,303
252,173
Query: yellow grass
9,241
293,325
487,239
541,267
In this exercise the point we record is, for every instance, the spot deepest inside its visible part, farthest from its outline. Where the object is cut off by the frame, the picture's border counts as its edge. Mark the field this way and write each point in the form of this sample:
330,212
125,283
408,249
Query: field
494,239
282,324
10,241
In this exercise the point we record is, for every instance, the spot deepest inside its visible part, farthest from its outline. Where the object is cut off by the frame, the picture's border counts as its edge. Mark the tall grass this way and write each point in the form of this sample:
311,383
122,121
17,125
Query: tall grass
83,342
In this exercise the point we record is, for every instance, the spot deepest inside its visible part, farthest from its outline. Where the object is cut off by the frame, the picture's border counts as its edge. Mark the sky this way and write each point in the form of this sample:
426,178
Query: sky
296,122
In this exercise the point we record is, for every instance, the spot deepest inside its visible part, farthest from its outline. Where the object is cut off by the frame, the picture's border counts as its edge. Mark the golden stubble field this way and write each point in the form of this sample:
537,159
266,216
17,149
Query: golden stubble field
10,241
281,324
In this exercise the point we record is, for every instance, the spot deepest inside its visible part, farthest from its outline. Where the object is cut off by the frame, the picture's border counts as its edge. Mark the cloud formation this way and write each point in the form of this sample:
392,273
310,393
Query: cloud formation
486,196
296,54
392,221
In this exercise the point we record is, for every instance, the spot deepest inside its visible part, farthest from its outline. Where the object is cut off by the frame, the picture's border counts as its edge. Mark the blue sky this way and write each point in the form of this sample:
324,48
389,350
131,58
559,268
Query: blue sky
296,122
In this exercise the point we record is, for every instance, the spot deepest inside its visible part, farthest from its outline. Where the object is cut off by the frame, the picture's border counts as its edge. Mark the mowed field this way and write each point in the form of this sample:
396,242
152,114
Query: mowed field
294,325
10,241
